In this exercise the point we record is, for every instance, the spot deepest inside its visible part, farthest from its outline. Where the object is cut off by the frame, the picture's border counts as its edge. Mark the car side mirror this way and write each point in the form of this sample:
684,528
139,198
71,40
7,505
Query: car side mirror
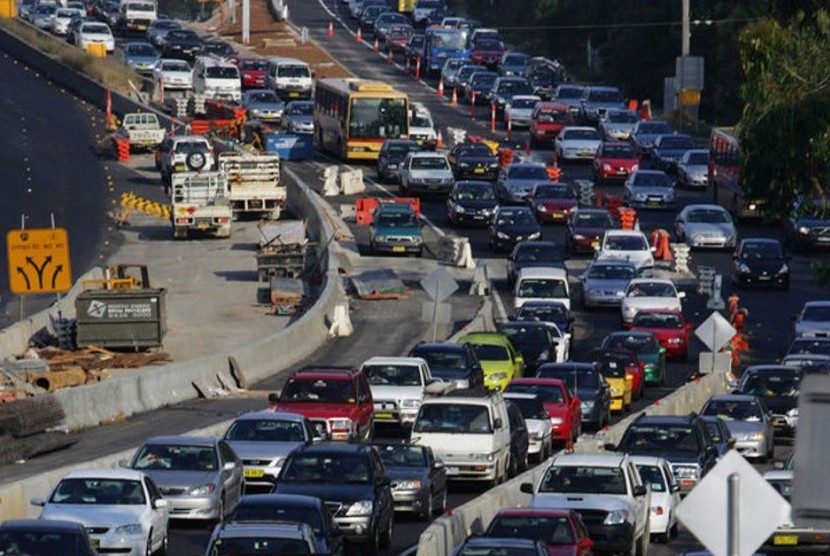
438,464
229,466
527,488
610,447
712,451
778,464
124,463
497,423
675,487
653,249
640,490
273,397
37,501
732,441
681,295
161,503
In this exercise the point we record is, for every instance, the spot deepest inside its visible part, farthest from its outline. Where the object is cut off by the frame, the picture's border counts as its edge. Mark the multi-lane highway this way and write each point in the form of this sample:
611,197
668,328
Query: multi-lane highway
394,326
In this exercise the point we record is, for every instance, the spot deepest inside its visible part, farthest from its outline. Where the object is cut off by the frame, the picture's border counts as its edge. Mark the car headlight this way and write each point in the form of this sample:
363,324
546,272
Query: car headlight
674,341
484,457
341,424
498,376
541,208
203,490
410,404
606,167
587,405
754,436
536,235
616,517
803,230
464,164
557,421
686,471
793,412
743,268
616,391
408,485
392,166
361,507
458,208
502,235
129,529
578,237
640,196
544,356
784,269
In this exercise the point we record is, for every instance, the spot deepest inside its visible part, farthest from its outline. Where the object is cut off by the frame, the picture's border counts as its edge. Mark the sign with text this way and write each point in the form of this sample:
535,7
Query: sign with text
39,260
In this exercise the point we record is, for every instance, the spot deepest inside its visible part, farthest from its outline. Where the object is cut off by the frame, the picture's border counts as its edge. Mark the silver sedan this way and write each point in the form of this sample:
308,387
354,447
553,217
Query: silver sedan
693,169
604,283
749,421
705,226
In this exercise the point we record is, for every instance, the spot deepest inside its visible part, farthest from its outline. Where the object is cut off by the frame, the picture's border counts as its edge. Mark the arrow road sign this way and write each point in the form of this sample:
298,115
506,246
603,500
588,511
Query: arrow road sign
439,285
39,260
715,332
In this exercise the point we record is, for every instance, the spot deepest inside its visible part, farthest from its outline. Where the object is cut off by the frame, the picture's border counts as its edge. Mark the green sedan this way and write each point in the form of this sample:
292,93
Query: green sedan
647,349
499,358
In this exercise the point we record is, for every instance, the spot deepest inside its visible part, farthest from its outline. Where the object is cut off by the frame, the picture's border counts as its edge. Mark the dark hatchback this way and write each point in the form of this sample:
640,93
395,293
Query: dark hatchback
529,254
547,311
183,44
809,226
391,156
760,262
586,228
419,480
471,203
512,225
473,161
532,339
44,536
778,386
587,384
457,363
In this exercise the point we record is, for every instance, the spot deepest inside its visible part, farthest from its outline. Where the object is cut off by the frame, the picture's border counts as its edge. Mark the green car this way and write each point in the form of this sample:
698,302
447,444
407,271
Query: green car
647,349
499,358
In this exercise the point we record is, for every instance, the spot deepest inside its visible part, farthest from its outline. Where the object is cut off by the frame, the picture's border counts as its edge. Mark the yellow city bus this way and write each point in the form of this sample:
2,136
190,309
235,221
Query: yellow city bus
353,117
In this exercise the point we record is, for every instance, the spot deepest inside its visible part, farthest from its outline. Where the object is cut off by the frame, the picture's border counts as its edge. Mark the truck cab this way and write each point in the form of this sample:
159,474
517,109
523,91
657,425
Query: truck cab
396,228
397,385
143,130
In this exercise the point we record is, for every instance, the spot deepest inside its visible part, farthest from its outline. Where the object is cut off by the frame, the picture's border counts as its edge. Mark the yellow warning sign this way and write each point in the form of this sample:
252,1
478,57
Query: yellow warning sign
39,260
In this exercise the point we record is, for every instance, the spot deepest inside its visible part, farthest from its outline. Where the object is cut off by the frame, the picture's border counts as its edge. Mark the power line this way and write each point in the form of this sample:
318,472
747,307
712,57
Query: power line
624,25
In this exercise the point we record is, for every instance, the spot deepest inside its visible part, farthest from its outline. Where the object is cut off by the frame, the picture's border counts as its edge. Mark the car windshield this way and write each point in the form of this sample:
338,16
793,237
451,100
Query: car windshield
175,66
653,477
613,367
454,418
550,530
430,163
263,96
176,457
530,408
515,87
611,272
654,128
141,50
166,24
187,147
266,430
451,39
660,439
552,115
279,511
516,218
548,393
480,549
542,288
761,251
182,35
625,243
527,173
255,65
319,391
569,92
453,360
806,345
106,492
638,343
222,72
524,102
525,334
43,542
651,289
676,142
420,120
580,135
475,192
95,29
622,118
401,148
816,313
326,468
574,377
219,48
593,220
604,95
483,81
539,253
487,352
658,320
709,216
417,41
65,13
767,385
476,150
258,546
583,479
553,192
396,220
394,375
734,410
548,313
652,179
623,152
487,44
402,455
698,159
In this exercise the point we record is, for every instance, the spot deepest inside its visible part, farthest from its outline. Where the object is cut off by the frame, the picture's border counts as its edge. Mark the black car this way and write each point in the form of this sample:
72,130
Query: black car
44,536
75,24
419,480
682,439
719,433
812,346
369,15
809,225
587,384
450,362
391,156
414,48
519,440
669,149
473,161
219,48
183,44
534,253
481,85
505,88
546,311
760,262
352,482
471,202
533,339
265,508
778,386
512,225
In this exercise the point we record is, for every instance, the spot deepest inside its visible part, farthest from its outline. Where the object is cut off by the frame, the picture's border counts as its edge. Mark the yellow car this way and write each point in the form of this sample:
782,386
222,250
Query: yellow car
620,384
499,358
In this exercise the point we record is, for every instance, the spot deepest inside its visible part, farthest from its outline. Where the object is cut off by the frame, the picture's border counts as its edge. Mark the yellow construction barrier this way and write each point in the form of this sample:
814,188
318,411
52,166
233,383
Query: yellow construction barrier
131,202
8,8
97,50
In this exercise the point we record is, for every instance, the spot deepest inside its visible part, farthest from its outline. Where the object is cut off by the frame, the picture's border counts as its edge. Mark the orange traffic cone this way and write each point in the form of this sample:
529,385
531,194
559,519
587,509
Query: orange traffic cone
527,146
406,69
389,58
440,87
665,248
359,36
376,46
599,202
330,32
454,100
439,141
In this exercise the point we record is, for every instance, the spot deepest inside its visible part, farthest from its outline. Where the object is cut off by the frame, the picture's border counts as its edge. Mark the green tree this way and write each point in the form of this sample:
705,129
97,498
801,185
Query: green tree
785,127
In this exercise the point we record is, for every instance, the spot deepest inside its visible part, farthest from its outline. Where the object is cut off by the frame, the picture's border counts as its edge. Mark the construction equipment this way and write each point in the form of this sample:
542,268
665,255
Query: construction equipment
255,183
282,249
287,295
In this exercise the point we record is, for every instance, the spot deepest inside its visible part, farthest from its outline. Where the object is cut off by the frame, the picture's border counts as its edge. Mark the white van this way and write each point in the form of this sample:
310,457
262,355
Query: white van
217,79
468,430
289,78
137,15
542,283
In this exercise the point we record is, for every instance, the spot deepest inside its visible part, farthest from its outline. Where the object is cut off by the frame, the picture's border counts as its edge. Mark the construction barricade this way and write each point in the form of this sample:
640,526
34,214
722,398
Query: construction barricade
365,207
660,243
628,217
505,157
121,146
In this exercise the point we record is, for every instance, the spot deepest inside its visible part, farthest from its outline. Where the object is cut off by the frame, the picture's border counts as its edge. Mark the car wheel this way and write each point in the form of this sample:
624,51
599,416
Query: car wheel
442,507
372,548
673,530
513,467
386,539
165,545
148,549
429,510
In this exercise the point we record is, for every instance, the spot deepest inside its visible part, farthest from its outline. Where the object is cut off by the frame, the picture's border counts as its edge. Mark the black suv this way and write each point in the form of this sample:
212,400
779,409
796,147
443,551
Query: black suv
456,363
683,440
352,482
519,440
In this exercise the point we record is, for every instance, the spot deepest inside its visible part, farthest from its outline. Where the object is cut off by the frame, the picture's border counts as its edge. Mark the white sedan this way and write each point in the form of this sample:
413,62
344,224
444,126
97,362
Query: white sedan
665,495
93,32
626,245
577,143
173,74
706,226
122,509
61,19
650,293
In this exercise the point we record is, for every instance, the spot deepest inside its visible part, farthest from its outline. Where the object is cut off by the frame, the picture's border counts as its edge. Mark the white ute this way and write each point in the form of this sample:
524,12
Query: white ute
397,385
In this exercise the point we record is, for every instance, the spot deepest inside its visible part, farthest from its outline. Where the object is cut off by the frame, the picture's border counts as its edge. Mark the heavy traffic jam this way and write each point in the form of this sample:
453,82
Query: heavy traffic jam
577,199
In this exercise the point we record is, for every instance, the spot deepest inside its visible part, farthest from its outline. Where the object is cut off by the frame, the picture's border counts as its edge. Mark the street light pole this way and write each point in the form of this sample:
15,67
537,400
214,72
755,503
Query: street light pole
684,43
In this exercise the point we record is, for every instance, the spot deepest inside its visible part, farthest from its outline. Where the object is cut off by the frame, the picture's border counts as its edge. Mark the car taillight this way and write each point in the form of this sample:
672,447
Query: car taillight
182,220
222,220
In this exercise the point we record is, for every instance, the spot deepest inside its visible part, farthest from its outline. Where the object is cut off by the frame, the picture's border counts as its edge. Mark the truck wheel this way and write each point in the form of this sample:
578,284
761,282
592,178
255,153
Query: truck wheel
179,233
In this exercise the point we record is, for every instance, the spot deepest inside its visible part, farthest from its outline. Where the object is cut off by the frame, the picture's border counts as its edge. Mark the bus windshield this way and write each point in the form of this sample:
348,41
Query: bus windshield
377,118
448,39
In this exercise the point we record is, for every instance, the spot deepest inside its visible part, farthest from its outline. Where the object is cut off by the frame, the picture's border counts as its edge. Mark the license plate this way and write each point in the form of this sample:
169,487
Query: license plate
557,214
384,416
142,27
254,473
478,171
789,540
179,167
595,244
203,225
398,249
452,471
293,94
653,203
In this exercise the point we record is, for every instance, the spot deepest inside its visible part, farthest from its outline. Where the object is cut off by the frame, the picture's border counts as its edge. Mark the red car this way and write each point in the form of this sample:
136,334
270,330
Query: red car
615,161
337,401
633,366
398,37
487,52
671,329
552,202
586,228
562,531
547,120
252,71
565,410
